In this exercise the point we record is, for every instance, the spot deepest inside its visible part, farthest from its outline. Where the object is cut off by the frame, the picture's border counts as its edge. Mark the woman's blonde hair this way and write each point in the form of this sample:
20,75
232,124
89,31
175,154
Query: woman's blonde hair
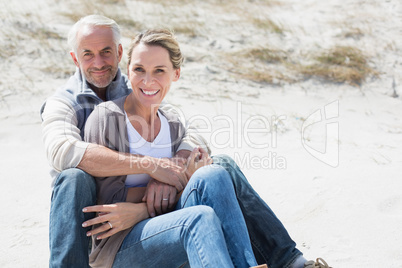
159,37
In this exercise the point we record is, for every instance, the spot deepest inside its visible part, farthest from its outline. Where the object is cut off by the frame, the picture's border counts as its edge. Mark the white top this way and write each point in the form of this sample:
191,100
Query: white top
161,147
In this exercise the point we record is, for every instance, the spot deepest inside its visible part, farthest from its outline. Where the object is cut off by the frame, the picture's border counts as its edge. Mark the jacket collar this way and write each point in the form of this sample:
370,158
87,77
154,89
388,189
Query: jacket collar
113,90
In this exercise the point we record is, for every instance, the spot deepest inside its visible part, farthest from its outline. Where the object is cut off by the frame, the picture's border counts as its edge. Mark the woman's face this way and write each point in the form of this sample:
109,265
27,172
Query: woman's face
151,73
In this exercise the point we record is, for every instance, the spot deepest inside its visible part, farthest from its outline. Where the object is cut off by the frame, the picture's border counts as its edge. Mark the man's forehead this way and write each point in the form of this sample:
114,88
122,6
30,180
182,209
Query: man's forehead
100,37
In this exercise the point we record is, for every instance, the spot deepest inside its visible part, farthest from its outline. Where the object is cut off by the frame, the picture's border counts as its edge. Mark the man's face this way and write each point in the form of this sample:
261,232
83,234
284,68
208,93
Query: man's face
97,55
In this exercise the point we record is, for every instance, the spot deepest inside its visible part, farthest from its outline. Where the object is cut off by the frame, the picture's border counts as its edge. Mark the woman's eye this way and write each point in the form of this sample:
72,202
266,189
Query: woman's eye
138,69
160,70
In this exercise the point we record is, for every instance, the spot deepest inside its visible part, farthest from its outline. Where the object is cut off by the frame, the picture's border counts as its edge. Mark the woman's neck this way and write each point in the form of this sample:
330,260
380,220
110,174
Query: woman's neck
144,119
135,108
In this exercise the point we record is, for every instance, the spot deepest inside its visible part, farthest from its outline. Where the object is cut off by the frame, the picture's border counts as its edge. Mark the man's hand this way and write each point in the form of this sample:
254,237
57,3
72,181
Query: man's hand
167,171
160,197
181,156
115,218
198,158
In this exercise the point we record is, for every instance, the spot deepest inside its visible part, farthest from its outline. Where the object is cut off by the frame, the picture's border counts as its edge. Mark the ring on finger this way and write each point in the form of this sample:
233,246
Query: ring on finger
165,199
111,226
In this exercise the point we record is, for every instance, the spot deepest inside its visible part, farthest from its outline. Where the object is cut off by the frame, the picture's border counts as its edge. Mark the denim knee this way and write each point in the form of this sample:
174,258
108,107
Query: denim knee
204,217
212,176
224,160
76,182
231,167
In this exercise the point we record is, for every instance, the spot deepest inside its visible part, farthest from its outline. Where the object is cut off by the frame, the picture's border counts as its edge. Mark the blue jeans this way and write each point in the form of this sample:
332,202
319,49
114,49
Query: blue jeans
207,228
73,190
270,241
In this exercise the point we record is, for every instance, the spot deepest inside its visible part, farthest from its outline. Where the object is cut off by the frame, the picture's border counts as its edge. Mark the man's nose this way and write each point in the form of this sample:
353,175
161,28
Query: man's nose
98,62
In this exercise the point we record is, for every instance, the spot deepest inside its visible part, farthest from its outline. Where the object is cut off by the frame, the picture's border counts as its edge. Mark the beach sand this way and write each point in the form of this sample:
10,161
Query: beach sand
325,156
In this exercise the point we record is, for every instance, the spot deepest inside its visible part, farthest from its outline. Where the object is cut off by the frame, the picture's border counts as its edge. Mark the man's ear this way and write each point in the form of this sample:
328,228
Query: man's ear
74,59
120,51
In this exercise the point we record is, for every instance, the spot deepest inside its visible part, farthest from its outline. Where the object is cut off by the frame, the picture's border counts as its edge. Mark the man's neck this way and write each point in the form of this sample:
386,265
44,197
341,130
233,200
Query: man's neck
100,92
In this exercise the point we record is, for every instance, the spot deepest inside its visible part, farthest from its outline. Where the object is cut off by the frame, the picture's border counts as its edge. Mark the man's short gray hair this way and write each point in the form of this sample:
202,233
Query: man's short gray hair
93,20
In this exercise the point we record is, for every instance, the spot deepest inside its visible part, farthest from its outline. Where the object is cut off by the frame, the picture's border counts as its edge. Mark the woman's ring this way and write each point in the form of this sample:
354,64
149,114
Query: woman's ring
111,226
165,199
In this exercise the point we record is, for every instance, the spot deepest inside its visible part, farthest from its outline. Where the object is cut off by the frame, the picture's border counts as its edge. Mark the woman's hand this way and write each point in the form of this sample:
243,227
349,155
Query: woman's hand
115,218
198,158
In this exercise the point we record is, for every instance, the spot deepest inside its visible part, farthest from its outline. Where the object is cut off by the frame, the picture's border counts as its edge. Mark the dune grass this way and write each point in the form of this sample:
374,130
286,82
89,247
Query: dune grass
115,9
268,55
355,33
266,23
9,46
341,64
260,64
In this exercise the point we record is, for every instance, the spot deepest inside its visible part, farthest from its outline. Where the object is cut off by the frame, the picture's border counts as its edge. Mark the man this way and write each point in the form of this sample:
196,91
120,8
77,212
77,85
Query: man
97,50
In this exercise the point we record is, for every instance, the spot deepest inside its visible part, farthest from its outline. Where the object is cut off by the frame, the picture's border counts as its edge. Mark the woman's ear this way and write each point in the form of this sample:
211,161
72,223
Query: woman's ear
176,75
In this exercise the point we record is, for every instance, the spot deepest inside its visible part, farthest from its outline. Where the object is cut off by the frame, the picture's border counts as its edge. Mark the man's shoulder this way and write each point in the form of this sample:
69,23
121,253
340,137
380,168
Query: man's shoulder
113,106
69,90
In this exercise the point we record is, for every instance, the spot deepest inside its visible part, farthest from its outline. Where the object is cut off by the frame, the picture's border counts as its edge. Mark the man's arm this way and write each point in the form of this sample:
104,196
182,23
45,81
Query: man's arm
65,148
100,161
61,136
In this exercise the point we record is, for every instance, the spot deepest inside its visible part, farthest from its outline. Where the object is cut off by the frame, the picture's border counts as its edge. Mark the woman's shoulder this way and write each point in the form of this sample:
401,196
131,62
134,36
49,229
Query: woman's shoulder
170,112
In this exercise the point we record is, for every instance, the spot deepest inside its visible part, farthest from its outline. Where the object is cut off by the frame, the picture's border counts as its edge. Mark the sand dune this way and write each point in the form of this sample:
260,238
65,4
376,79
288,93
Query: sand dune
325,156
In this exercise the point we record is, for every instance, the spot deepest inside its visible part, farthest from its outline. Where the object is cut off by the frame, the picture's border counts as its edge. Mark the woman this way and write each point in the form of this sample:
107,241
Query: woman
200,231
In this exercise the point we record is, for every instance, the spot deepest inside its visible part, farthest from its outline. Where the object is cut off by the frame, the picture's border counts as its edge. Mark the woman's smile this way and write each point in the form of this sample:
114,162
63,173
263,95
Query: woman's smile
149,92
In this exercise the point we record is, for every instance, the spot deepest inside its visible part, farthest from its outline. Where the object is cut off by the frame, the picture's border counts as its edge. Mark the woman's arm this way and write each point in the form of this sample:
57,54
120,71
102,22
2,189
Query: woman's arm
135,194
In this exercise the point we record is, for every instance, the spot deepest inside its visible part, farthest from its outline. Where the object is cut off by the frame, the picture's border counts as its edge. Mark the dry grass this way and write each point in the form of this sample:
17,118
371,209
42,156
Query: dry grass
190,29
58,70
262,65
9,46
216,3
264,75
115,9
355,33
341,64
267,55
268,24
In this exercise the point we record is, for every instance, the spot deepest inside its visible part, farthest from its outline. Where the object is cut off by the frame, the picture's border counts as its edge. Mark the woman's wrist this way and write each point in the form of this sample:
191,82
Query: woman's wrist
144,211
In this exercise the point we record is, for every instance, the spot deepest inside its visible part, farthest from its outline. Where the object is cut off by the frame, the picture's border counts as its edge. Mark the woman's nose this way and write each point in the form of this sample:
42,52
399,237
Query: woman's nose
148,79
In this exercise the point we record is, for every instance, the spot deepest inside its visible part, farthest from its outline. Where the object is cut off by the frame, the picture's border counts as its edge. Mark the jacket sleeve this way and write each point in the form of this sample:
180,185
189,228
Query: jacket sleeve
191,138
61,136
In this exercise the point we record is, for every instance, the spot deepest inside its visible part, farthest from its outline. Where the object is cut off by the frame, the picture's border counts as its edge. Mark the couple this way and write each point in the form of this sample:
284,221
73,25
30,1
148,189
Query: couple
145,163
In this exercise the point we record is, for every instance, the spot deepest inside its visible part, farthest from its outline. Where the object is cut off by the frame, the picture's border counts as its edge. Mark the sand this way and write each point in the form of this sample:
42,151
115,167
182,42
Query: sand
325,156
